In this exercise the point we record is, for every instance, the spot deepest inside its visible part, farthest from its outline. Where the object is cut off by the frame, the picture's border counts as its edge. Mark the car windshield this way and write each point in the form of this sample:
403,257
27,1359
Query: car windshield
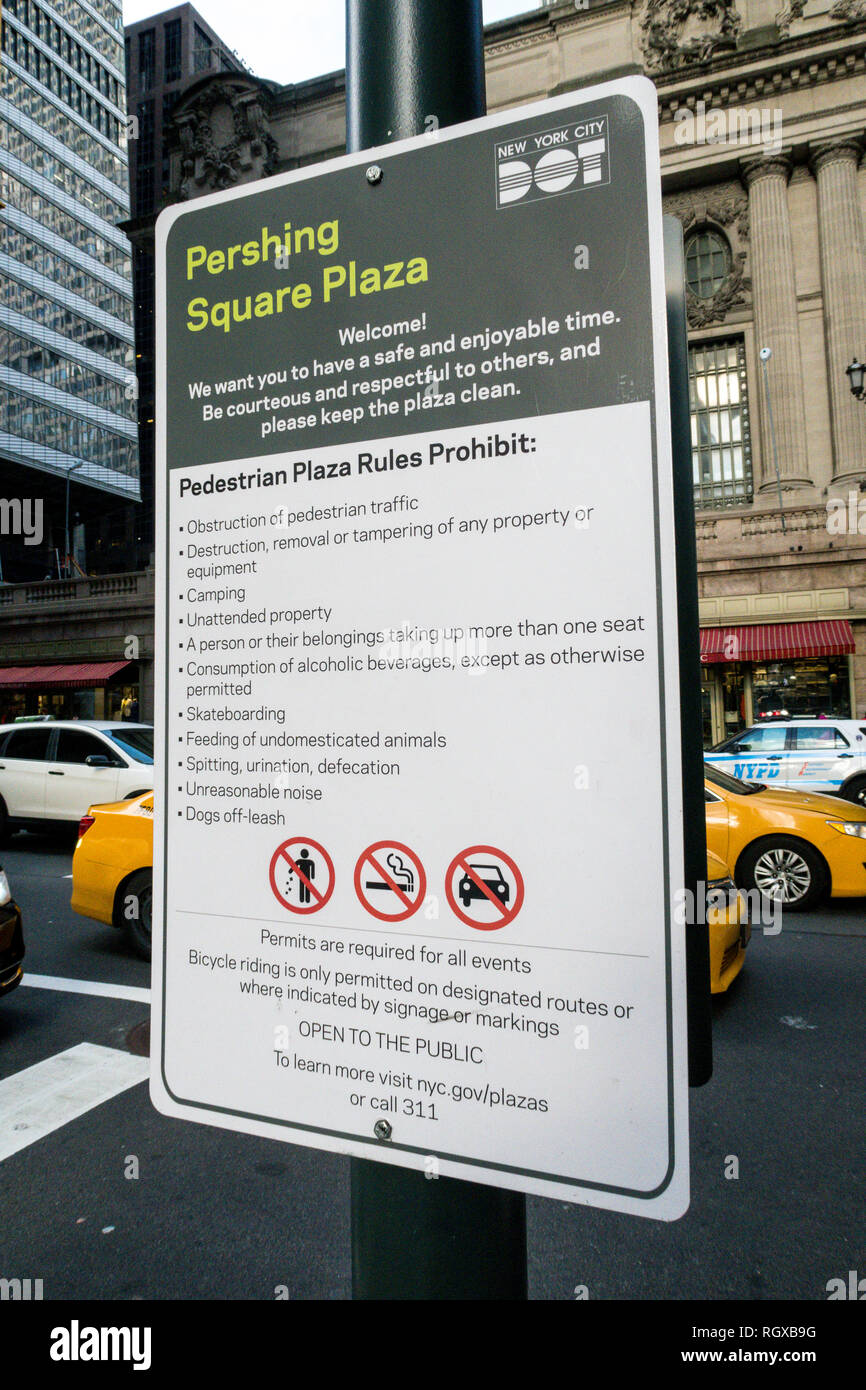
731,740
138,743
729,783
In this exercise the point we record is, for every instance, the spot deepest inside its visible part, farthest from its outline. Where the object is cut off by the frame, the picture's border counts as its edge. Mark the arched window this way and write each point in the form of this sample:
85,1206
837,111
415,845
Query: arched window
708,261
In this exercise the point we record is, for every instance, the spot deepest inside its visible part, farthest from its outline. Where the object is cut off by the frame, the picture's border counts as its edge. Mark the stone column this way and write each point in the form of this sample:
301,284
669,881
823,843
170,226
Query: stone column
776,322
843,279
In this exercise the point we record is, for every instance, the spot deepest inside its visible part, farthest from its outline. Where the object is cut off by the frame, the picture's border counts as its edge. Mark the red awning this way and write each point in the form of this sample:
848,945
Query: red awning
81,677
781,641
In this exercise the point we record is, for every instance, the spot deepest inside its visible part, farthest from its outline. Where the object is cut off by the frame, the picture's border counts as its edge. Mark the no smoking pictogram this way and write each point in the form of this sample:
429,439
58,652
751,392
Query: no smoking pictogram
489,886
302,875
390,881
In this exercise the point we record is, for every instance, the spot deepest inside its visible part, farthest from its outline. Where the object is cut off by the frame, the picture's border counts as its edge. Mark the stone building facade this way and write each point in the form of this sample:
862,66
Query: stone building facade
73,648
762,118
163,53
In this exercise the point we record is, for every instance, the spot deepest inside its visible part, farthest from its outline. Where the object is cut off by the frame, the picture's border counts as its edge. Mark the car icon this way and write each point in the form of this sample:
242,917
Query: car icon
491,876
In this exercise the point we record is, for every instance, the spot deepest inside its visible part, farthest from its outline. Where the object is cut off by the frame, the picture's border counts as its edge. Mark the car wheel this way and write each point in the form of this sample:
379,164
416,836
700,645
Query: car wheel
856,791
4,822
138,925
786,871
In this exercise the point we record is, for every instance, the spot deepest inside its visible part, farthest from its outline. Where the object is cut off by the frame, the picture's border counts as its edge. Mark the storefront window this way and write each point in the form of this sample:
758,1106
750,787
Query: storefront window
121,702
81,704
733,697
708,682
798,688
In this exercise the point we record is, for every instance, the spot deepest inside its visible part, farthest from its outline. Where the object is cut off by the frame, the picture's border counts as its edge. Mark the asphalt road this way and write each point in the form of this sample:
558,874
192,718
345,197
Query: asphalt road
217,1215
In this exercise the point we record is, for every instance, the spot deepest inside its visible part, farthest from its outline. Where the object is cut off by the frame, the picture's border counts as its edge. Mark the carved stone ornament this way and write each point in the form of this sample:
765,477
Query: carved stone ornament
224,137
848,11
727,209
785,18
736,288
681,33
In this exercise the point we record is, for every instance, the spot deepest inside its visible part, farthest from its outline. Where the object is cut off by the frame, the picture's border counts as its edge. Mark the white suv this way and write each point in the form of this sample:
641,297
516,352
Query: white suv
815,755
50,773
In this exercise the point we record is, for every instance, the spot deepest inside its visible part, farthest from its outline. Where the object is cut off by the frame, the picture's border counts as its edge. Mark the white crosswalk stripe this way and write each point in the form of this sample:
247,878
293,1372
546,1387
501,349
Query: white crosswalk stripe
44,1097
104,991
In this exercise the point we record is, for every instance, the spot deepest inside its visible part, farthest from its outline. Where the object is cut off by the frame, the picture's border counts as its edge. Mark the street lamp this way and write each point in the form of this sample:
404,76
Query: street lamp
70,470
855,372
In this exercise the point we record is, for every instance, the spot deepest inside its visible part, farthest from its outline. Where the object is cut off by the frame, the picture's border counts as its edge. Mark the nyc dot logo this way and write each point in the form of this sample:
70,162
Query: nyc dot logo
563,159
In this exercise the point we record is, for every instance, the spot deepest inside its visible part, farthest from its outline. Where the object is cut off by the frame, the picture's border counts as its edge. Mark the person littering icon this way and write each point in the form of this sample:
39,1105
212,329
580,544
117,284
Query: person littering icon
307,867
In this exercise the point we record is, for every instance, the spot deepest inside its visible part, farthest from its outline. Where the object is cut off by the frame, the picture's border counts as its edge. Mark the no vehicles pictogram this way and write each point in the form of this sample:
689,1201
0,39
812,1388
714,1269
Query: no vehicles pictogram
489,887
301,875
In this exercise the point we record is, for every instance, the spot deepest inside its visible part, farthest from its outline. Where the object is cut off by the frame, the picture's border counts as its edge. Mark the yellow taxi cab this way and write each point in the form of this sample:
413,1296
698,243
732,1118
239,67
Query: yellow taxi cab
729,932
112,867
791,847
112,881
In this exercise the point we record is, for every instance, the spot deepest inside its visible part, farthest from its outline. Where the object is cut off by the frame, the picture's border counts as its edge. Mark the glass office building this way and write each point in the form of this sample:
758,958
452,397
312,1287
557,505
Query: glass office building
67,356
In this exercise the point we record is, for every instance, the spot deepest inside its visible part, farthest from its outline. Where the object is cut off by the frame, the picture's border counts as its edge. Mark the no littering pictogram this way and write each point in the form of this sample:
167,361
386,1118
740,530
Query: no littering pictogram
390,881
302,875
489,886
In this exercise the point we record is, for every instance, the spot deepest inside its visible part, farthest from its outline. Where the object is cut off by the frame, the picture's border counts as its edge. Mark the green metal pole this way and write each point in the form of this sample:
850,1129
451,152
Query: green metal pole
694,815
417,1239
413,65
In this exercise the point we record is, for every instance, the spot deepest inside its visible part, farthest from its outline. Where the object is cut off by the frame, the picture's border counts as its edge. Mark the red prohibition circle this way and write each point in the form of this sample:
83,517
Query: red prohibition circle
459,862
367,858
281,852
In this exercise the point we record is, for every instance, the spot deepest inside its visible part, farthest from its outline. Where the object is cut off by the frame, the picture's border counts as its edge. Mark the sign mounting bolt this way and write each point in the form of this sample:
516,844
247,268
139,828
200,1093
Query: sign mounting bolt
382,1129
374,174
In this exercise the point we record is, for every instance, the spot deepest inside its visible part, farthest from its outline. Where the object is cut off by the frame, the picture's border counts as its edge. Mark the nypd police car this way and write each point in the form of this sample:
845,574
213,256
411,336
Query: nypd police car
817,755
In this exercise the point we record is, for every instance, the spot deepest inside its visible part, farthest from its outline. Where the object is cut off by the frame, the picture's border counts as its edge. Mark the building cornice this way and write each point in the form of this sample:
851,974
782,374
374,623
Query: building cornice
545,25
764,72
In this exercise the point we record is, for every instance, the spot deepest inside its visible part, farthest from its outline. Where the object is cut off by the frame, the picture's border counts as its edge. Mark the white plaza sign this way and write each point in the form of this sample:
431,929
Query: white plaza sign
419,816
